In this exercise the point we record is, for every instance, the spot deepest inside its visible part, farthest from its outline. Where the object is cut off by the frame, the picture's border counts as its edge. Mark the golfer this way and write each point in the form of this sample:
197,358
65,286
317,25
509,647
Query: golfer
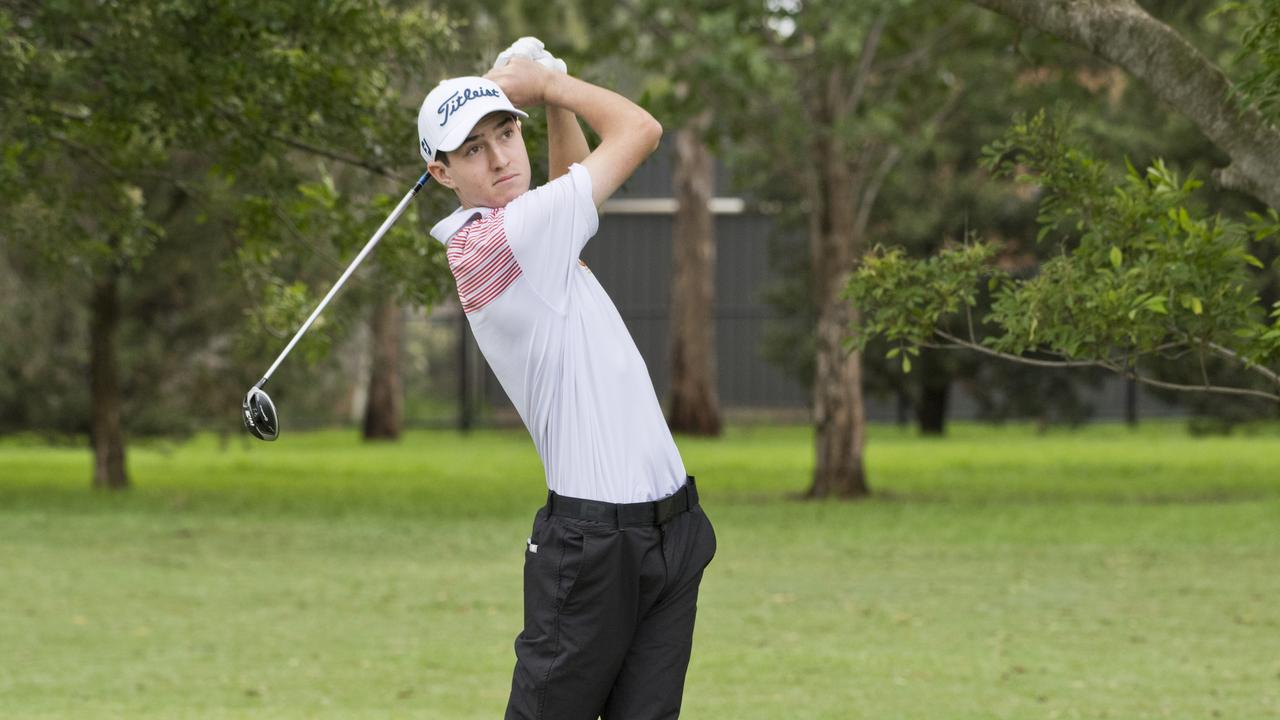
615,557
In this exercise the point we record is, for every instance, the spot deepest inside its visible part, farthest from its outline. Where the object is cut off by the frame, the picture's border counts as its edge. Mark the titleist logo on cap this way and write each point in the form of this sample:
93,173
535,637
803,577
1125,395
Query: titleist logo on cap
458,99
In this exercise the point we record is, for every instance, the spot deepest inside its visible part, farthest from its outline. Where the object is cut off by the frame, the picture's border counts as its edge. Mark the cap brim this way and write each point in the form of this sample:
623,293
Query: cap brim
466,123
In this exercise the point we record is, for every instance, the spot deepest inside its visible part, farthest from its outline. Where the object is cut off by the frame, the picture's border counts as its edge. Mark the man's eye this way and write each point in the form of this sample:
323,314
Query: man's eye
509,132
473,149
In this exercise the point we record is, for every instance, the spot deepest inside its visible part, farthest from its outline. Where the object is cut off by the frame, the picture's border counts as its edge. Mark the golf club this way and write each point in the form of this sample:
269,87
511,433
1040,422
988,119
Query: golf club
260,416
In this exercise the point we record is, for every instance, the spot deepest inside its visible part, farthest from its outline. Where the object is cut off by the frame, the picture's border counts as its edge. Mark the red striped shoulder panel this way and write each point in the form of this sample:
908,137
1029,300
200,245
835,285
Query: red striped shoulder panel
482,262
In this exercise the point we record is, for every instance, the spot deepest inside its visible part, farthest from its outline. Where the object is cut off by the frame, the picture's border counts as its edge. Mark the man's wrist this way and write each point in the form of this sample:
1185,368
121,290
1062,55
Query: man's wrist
554,90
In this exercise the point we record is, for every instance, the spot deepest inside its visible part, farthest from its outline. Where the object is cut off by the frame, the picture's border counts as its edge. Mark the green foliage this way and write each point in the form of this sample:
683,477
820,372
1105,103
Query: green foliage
902,298
119,90
284,236
155,143
1259,54
1141,270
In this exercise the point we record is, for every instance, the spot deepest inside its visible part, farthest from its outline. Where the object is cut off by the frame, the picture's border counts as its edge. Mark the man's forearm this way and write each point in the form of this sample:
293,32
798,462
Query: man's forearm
607,112
566,143
628,133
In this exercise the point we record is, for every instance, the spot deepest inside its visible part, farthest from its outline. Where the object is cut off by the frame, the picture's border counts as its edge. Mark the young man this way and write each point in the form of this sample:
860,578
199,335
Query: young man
615,558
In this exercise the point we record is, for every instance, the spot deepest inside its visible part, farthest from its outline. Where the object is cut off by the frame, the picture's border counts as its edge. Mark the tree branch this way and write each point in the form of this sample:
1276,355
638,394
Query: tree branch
961,344
1121,32
922,51
1230,354
1216,389
345,159
866,58
872,189
312,149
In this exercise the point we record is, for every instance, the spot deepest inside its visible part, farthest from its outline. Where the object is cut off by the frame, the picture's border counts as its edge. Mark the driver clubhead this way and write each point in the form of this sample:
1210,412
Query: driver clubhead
260,414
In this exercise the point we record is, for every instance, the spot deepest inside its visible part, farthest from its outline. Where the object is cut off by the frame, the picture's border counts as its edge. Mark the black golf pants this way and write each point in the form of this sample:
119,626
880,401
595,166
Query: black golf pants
608,616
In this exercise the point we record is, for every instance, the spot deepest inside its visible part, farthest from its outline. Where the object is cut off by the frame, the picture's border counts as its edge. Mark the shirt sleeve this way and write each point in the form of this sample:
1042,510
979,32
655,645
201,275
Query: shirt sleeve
547,228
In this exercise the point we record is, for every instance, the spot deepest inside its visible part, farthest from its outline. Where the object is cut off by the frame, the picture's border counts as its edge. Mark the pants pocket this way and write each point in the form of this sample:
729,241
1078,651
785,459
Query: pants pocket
553,560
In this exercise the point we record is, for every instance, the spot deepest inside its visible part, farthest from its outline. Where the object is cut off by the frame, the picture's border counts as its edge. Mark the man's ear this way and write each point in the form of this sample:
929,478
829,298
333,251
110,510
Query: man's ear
440,172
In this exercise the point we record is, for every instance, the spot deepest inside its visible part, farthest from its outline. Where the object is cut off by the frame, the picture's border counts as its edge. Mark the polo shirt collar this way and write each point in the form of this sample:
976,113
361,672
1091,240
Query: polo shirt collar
452,223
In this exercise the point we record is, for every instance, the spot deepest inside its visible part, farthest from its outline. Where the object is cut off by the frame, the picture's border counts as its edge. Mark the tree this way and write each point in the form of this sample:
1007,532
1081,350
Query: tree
941,192
1185,275
842,89
1143,274
154,107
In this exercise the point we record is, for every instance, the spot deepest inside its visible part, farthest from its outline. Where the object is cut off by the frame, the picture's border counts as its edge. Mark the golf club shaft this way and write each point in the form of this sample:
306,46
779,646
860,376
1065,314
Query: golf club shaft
386,225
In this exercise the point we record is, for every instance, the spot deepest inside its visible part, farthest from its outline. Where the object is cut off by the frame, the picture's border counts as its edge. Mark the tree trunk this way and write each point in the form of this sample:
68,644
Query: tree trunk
1131,402
932,412
935,391
835,242
695,401
903,406
1121,32
842,191
839,415
384,412
107,433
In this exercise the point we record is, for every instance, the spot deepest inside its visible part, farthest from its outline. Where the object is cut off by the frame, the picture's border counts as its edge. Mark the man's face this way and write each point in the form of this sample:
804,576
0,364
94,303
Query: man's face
489,169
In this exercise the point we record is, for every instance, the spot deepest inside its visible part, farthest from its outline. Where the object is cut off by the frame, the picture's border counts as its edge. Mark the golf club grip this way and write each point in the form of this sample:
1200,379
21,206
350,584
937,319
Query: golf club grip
368,247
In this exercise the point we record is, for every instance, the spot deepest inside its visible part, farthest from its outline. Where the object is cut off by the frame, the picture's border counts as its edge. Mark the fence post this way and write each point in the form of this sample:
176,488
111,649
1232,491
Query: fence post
464,395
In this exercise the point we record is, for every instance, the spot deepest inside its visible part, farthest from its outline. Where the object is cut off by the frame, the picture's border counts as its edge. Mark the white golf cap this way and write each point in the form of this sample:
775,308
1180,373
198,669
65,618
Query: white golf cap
453,108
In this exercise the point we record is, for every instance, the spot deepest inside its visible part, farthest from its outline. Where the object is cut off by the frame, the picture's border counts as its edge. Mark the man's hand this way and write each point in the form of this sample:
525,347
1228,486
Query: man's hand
524,81
533,49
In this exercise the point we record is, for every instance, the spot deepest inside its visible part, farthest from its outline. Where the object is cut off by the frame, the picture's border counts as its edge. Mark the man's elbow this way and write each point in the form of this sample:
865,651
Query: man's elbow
651,130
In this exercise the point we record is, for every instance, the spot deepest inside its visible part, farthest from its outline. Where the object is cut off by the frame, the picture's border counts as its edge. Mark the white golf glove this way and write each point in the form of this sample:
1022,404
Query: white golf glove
532,49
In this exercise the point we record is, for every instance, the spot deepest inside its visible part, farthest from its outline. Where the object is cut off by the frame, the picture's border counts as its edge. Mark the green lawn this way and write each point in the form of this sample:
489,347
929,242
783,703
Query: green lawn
1100,573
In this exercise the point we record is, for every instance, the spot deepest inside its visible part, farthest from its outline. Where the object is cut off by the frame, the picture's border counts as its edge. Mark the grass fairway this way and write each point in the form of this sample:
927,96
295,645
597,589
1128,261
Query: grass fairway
1100,573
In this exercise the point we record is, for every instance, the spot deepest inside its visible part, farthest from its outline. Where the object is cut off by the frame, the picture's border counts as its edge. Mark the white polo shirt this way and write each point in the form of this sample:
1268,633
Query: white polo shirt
558,346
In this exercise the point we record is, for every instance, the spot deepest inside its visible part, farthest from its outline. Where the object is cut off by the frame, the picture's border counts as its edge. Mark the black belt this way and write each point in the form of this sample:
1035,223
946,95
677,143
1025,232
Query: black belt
620,515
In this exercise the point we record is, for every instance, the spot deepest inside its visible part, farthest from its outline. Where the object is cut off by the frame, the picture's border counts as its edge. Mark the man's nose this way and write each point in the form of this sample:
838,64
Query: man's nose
498,158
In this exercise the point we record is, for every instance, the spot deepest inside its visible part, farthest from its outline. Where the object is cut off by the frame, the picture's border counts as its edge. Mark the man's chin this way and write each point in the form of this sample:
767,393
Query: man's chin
507,194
